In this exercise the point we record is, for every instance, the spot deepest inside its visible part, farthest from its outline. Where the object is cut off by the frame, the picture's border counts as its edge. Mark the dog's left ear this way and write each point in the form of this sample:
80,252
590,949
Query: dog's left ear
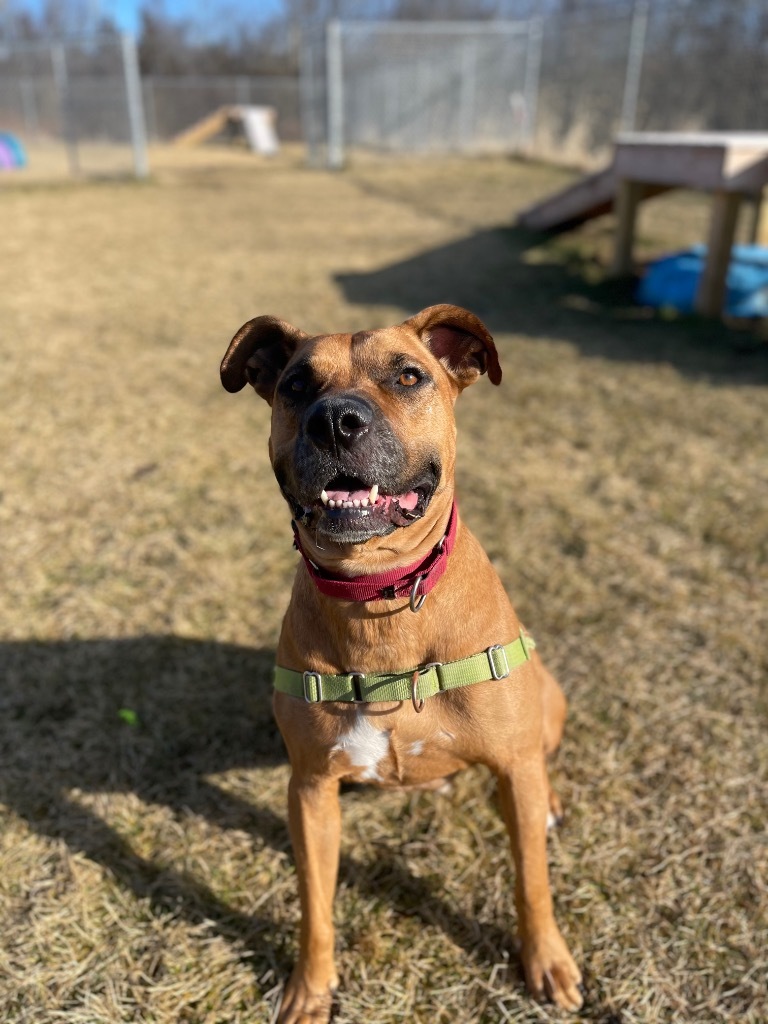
258,354
460,341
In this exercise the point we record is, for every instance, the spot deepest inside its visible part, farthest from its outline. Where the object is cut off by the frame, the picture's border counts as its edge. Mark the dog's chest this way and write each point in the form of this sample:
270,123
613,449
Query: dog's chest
378,751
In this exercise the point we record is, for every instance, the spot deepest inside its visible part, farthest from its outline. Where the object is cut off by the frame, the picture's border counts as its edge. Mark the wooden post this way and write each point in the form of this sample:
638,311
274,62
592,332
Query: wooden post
758,227
722,227
628,197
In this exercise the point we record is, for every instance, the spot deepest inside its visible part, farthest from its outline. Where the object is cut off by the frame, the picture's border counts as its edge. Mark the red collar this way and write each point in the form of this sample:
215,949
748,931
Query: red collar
416,579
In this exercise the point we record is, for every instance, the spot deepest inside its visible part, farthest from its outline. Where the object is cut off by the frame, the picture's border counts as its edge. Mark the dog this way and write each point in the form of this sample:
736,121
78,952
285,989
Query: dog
400,659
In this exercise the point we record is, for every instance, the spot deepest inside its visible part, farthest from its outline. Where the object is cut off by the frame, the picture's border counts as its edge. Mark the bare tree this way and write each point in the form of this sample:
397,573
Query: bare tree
424,10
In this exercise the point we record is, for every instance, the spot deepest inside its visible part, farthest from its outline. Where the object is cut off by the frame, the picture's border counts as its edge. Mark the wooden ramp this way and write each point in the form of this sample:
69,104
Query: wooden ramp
257,123
590,197
587,198
205,129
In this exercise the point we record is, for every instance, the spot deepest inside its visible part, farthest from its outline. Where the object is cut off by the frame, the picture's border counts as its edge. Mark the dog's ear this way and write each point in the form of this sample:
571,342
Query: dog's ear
258,354
460,341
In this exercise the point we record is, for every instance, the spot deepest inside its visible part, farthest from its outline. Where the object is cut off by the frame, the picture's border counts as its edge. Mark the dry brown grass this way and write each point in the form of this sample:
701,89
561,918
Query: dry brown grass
619,479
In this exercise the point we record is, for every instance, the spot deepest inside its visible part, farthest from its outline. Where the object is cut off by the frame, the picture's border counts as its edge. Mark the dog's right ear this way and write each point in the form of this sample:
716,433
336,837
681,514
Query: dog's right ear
258,354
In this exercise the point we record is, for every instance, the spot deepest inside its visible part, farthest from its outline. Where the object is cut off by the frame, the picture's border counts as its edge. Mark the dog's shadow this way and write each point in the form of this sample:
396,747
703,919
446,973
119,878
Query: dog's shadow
157,716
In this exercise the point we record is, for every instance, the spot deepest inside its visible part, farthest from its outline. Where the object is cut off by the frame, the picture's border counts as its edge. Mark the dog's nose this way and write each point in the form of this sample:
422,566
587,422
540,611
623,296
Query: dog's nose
338,422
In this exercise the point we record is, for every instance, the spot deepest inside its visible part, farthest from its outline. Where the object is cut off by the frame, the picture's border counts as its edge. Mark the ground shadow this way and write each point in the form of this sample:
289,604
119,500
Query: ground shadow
153,715
522,282
157,716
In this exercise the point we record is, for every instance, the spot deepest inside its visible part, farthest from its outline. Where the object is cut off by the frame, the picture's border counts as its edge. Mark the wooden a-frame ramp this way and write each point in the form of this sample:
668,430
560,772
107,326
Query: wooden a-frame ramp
257,124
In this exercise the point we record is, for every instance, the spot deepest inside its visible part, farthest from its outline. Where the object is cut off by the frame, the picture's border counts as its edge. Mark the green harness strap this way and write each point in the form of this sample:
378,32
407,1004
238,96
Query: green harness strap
416,684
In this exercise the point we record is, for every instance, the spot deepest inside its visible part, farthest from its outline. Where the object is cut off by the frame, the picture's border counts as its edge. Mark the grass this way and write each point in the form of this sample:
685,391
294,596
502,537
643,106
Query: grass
618,479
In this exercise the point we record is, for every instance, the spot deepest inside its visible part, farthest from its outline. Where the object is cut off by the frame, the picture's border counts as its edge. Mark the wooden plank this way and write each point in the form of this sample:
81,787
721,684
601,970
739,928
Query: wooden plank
747,175
730,139
758,228
204,129
722,227
681,166
259,127
729,161
629,195
589,197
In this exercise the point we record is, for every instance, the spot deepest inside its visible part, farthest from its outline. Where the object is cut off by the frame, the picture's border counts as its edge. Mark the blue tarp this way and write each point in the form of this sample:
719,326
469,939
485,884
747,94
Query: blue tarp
672,281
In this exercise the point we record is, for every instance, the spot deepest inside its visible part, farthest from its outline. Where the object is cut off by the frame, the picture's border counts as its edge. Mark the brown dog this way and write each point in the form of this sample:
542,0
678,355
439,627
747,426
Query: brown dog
376,681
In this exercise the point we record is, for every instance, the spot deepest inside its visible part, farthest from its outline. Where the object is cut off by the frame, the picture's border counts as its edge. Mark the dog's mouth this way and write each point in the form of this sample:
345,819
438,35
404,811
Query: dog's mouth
350,509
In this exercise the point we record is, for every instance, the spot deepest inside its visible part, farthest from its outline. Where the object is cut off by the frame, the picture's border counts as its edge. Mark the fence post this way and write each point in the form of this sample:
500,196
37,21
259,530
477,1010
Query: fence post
335,75
150,107
135,106
532,77
61,78
467,92
309,98
637,34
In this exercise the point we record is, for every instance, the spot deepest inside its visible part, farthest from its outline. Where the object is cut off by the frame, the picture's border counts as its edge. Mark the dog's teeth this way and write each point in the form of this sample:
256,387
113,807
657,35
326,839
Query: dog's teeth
331,503
374,493
364,503
323,497
356,503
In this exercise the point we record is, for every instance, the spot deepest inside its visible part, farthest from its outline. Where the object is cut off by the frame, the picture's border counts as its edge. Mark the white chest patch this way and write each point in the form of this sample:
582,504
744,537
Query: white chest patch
365,746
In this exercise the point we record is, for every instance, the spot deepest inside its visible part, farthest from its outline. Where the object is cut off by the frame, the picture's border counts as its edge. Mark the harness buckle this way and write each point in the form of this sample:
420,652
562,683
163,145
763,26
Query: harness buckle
357,680
306,677
490,651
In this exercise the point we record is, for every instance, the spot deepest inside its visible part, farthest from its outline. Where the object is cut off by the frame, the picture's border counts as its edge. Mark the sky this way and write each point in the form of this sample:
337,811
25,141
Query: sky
125,13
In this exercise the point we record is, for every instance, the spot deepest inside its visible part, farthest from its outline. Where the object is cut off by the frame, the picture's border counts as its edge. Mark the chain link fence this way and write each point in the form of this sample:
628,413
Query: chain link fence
421,87
558,87
174,102
650,65
86,95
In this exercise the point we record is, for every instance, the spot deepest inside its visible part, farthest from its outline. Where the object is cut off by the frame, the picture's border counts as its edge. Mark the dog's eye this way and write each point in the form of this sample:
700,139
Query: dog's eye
408,378
298,385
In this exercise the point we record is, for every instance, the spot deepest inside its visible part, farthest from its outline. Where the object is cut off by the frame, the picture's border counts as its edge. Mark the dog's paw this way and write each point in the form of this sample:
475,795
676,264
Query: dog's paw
550,972
306,1004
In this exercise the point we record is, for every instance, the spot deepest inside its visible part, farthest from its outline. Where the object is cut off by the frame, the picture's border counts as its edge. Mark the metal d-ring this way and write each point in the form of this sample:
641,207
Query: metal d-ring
417,602
418,705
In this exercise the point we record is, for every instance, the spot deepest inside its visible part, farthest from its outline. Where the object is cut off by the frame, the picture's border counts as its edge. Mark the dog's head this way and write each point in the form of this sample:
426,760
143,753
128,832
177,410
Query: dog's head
363,435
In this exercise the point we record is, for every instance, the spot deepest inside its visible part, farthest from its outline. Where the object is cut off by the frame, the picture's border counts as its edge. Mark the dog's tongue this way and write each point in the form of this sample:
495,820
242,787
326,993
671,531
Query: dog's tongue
407,501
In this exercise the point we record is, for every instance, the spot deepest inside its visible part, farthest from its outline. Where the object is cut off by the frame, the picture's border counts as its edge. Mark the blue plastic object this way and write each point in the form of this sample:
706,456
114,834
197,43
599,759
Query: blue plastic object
11,151
672,281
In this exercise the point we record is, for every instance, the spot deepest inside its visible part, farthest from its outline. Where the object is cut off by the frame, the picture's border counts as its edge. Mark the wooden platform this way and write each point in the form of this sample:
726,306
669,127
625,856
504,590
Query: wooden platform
733,166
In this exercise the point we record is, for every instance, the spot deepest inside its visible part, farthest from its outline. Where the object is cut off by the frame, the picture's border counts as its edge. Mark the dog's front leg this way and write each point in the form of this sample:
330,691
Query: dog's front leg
314,817
549,967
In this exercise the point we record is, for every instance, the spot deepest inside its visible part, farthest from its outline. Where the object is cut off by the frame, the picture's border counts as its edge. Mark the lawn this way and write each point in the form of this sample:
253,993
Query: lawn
618,478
